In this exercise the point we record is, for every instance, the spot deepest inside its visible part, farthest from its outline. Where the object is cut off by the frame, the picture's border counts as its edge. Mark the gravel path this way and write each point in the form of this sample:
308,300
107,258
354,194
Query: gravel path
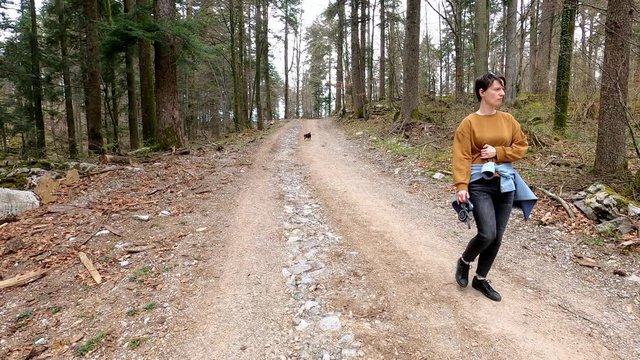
326,253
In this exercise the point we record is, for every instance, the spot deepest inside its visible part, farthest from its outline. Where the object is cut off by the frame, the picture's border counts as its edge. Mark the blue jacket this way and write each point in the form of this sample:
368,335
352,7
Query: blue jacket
510,180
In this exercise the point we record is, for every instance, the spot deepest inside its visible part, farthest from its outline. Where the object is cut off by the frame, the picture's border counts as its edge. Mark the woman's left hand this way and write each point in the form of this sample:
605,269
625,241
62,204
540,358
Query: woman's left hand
487,152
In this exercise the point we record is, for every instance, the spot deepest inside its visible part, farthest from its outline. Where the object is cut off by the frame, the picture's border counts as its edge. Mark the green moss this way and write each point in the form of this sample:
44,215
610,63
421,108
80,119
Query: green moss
90,344
18,181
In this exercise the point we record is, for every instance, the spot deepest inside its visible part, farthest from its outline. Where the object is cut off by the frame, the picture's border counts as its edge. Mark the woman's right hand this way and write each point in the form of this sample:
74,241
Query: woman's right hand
462,196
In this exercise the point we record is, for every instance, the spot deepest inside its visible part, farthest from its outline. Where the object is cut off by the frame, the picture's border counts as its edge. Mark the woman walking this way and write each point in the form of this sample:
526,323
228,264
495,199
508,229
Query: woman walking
485,144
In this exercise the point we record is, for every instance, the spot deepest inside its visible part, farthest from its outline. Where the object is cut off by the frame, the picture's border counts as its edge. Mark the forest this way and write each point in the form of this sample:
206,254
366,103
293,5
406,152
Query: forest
94,77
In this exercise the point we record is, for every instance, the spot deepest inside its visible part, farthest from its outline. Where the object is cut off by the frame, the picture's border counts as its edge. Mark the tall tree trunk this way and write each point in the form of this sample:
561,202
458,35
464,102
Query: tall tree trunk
147,88
132,103
611,146
411,60
340,66
287,110
166,80
363,51
357,88
258,78
563,76
111,89
370,29
94,99
242,66
265,60
383,43
459,48
36,84
542,63
298,52
511,63
481,38
66,78
533,42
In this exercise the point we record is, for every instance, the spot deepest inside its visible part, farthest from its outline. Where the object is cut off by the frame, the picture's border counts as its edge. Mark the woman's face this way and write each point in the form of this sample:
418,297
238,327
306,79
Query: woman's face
493,95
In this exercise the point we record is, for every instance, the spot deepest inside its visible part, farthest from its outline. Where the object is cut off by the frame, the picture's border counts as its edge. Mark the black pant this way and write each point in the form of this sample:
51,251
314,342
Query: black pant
491,210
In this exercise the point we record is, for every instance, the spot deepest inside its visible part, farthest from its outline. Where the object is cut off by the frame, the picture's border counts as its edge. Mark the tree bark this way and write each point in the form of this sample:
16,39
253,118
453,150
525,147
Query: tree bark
147,92
340,66
258,77
134,139
265,60
511,63
169,132
563,76
411,60
357,88
36,84
533,42
612,119
481,38
94,99
542,61
383,43
66,79
287,110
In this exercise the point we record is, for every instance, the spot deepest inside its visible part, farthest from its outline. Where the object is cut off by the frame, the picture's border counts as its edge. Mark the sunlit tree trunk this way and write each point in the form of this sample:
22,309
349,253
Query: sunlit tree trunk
511,63
411,60
340,66
147,89
383,43
169,132
357,89
612,119
94,99
481,38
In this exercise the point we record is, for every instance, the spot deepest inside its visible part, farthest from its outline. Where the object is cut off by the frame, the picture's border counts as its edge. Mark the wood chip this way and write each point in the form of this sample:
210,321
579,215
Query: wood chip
89,265
629,243
22,279
585,261
137,249
113,231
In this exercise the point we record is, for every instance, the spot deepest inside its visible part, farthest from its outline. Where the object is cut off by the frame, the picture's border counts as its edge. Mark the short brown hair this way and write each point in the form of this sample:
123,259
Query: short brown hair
484,81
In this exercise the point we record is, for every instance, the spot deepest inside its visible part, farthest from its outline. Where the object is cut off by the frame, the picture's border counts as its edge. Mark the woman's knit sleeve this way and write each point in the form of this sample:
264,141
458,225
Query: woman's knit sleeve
462,155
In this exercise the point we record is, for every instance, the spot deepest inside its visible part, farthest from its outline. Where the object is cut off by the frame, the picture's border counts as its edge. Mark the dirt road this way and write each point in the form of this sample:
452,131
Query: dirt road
325,254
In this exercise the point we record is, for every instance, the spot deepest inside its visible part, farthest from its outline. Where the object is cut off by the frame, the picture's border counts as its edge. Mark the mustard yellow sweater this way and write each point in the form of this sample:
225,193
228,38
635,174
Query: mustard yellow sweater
499,130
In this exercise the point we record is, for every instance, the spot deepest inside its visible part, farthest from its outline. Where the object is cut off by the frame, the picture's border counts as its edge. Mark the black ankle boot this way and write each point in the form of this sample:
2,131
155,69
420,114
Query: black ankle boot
462,273
485,288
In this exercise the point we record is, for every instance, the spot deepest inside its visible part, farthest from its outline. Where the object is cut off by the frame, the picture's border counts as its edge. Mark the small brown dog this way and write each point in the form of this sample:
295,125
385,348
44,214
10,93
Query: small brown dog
307,136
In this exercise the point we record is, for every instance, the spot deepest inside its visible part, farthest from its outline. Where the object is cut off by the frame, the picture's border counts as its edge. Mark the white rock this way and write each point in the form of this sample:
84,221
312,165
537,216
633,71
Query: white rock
331,323
438,176
164,213
302,325
142,217
102,232
41,341
14,202
201,229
